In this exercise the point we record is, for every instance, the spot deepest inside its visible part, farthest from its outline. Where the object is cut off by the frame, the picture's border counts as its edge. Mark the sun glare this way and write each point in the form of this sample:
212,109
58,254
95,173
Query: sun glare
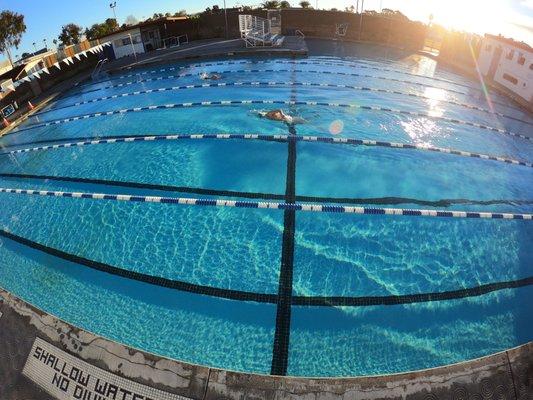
478,16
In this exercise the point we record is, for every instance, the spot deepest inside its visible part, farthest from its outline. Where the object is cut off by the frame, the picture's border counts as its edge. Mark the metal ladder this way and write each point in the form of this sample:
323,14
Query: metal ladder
98,69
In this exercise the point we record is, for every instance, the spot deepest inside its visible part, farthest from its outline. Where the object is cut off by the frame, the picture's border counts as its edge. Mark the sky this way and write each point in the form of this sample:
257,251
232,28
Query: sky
511,18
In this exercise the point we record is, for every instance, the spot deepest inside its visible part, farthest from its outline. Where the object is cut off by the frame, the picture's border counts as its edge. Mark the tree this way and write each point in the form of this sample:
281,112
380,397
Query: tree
98,30
70,34
131,20
271,4
305,4
180,13
11,29
111,24
284,4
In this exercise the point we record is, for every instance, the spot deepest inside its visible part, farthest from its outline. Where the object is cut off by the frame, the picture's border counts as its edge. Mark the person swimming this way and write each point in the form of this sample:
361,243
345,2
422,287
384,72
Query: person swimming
279,115
205,76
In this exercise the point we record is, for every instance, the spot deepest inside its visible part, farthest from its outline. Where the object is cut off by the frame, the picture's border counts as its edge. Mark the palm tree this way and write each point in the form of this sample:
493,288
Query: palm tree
305,4
271,4
284,4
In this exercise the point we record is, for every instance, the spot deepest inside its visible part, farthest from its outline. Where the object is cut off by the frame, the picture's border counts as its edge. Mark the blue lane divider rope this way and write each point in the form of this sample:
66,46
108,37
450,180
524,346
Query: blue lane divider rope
278,102
273,205
349,141
347,64
281,83
327,63
255,71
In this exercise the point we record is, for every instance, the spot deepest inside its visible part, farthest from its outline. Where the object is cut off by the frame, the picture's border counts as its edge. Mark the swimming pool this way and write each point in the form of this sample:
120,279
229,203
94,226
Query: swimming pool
351,285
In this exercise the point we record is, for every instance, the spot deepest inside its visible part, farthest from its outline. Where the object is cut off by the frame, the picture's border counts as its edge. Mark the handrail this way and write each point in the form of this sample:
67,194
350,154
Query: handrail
98,68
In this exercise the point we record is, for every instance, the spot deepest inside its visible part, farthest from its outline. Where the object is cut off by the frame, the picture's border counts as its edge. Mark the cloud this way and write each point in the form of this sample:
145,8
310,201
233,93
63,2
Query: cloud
527,3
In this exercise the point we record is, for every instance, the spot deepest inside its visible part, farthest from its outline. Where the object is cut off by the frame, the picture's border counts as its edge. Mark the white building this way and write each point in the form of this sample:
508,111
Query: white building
508,63
125,42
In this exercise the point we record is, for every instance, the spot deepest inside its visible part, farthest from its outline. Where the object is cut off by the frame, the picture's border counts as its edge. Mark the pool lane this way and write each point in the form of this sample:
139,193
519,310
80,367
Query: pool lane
239,249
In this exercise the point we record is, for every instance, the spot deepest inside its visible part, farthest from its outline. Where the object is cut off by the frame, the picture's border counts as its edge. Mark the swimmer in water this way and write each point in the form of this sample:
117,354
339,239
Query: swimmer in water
205,76
279,115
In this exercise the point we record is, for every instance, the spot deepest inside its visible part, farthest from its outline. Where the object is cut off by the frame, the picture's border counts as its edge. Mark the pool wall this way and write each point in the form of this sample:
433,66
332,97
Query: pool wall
504,375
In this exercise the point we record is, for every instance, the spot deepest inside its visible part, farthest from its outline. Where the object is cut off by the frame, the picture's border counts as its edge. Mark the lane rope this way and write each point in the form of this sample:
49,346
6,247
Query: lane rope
266,196
242,71
290,62
270,102
332,140
266,297
273,205
280,83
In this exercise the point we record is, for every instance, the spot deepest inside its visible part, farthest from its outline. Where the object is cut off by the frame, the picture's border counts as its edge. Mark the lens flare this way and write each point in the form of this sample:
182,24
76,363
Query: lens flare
336,127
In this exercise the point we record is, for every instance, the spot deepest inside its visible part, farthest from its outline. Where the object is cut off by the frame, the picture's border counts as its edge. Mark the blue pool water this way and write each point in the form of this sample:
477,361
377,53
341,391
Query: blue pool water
340,255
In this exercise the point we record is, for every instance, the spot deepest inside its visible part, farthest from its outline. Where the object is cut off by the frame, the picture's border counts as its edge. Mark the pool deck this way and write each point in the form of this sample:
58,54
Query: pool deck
25,331
292,47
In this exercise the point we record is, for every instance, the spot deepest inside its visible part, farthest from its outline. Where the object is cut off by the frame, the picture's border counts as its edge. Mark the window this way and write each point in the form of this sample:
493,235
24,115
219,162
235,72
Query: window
488,47
531,67
510,55
510,78
521,59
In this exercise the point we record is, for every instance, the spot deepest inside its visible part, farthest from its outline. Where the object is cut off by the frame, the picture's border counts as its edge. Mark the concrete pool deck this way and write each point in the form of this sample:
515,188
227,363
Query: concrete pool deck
41,354
212,48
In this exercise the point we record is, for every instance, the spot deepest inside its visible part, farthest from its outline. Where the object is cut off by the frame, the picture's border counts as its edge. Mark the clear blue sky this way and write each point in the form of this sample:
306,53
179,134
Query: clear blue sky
45,18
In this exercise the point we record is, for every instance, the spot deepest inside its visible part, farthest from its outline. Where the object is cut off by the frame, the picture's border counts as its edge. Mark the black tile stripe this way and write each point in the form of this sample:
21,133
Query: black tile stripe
336,301
268,196
271,298
280,350
138,276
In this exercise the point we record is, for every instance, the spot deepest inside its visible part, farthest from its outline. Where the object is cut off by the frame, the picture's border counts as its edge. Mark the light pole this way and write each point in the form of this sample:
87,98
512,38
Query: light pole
112,6
45,45
35,47
226,18
361,18
133,47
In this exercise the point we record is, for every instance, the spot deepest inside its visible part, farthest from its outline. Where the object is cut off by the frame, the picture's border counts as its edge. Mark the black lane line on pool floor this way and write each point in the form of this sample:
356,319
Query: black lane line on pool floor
267,196
280,350
140,277
319,301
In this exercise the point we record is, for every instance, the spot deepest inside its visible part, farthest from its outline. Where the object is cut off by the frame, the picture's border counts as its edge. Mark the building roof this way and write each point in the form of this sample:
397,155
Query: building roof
143,24
13,73
511,42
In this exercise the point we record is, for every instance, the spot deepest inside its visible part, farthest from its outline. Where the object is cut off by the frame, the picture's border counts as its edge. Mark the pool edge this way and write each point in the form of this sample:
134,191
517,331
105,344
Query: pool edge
503,375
